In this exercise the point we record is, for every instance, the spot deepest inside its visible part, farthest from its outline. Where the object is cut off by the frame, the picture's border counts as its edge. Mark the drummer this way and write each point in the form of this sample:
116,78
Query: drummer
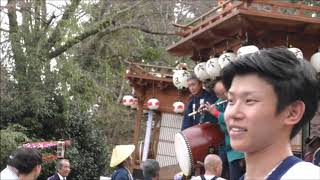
235,159
198,96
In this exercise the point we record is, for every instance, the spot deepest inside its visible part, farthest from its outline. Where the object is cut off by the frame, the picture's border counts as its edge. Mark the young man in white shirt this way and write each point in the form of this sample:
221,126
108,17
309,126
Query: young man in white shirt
272,95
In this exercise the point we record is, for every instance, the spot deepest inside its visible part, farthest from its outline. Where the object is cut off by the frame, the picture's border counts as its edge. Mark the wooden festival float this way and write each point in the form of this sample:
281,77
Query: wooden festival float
229,26
54,149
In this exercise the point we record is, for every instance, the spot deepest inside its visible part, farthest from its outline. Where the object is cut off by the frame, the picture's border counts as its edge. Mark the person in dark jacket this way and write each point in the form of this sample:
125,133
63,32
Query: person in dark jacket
198,97
63,170
121,158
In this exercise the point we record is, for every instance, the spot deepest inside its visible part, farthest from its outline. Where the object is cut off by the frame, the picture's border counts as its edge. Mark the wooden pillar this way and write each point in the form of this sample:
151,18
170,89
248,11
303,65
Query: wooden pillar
137,125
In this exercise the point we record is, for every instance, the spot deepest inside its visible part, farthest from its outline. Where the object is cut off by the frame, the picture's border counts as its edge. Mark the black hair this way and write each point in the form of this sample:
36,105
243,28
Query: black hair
193,77
150,168
291,78
25,159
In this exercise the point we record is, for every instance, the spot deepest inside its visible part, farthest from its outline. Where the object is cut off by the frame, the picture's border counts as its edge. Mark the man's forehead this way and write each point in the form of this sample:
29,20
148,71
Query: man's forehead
248,84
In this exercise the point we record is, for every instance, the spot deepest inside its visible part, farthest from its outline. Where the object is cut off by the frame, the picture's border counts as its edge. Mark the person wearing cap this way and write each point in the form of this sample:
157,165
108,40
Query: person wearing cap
121,158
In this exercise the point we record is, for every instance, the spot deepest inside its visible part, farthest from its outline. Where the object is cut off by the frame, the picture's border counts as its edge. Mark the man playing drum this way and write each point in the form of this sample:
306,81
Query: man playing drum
198,96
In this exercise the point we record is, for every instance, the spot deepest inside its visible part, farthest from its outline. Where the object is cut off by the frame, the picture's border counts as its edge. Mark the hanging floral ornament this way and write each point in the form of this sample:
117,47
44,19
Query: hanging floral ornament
127,100
201,72
247,50
178,107
180,78
153,104
226,58
134,105
213,67
297,52
315,61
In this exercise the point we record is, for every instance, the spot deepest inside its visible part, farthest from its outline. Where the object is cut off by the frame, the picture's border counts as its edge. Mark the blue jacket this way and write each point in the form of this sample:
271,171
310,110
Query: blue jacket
120,173
195,101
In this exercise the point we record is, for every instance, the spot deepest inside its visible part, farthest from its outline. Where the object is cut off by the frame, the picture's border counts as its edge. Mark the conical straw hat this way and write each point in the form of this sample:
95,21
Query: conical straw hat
121,153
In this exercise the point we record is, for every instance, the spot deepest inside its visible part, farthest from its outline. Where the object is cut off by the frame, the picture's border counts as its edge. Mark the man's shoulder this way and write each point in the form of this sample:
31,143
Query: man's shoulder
207,177
54,177
8,174
213,97
120,173
302,170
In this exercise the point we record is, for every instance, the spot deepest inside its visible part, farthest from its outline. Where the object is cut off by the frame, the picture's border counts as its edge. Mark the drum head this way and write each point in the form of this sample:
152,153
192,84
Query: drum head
183,154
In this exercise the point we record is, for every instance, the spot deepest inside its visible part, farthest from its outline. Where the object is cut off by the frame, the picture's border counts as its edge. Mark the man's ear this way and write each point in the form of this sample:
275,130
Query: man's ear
294,113
37,170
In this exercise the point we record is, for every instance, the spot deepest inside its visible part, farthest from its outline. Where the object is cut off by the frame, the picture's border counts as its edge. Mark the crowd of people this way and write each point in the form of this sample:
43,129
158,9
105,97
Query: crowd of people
25,164
271,95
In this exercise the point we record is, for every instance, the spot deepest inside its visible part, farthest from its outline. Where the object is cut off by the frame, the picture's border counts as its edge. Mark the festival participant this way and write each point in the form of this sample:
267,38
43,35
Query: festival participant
213,168
63,170
198,96
121,158
271,95
150,169
311,145
24,164
235,159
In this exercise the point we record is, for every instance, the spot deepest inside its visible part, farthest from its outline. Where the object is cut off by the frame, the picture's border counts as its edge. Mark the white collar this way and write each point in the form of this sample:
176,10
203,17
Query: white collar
60,177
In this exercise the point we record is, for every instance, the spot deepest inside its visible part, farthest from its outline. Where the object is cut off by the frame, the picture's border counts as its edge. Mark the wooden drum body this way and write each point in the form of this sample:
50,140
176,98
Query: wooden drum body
193,144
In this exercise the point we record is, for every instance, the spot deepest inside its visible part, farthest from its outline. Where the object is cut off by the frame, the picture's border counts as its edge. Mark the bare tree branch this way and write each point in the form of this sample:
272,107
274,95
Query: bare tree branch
56,35
98,27
5,41
140,28
83,36
4,30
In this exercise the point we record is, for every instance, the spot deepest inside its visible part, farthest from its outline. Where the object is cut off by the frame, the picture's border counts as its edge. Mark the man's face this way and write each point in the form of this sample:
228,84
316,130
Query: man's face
65,169
194,86
37,171
251,117
219,90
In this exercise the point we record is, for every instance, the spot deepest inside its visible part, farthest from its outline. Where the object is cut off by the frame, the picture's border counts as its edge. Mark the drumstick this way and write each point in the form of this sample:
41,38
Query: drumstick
199,110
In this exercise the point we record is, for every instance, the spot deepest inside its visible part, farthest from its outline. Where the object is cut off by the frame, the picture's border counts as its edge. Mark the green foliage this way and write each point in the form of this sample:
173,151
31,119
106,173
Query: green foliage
11,138
88,151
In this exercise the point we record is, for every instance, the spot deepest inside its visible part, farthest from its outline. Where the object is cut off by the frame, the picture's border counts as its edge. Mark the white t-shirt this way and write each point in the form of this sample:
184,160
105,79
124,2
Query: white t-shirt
8,174
207,177
302,170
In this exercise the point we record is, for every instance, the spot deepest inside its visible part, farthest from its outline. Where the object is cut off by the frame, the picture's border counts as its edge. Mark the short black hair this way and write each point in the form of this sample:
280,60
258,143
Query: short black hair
193,77
25,159
291,78
150,168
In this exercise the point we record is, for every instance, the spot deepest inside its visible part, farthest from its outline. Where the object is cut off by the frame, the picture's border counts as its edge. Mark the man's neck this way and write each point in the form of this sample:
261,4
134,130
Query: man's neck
209,173
259,164
60,176
26,177
199,93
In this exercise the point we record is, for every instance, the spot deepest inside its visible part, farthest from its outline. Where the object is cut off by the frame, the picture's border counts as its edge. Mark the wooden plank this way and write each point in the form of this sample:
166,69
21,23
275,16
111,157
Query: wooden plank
283,17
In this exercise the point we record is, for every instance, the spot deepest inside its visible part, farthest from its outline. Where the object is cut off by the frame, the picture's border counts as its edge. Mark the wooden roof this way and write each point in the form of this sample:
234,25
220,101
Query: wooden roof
155,81
264,23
